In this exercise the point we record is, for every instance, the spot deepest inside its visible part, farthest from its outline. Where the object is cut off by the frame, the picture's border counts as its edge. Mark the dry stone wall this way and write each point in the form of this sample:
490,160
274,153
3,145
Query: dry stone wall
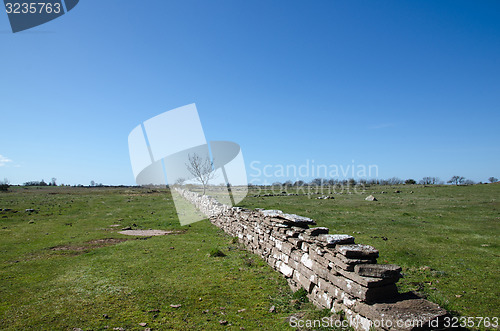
337,273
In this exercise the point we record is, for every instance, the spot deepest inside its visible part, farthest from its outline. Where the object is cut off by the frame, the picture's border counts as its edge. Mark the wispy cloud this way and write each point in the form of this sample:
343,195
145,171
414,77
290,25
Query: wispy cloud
4,160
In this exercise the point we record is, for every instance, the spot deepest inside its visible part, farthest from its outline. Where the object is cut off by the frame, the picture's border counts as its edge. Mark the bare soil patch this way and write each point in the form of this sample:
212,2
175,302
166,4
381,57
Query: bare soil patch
148,233
89,245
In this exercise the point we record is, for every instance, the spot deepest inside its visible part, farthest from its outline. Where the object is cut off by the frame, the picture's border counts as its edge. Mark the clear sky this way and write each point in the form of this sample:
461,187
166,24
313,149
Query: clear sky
410,86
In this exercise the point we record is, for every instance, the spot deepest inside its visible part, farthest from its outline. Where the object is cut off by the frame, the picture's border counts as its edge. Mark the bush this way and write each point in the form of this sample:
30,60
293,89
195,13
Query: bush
215,252
300,295
4,185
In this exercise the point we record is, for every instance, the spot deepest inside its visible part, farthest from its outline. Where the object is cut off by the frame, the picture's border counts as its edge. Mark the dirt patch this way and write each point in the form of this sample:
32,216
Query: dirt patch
106,241
148,233
89,245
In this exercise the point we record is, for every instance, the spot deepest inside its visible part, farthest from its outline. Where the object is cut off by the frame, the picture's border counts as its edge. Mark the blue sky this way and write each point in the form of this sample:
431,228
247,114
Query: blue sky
410,86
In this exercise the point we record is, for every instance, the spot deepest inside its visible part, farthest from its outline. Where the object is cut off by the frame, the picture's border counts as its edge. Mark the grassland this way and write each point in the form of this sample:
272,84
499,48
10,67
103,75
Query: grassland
58,273
446,238
64,266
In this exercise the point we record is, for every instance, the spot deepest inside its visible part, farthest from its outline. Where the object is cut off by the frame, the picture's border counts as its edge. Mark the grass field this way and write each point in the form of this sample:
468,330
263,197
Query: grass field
63,266
446,238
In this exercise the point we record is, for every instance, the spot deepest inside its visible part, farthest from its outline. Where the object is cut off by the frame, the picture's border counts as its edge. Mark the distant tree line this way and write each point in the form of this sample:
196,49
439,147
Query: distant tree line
455,180
41,183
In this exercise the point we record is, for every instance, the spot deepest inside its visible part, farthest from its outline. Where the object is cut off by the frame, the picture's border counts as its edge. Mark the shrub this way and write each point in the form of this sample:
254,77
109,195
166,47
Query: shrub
300,295
4,185
215,252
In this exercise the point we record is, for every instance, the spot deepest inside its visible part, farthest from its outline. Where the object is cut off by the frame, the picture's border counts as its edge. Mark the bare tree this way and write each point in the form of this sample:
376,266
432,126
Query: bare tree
493,179
430,181
201,169
318,182
53,182
180,181
299,183
456,180
394,181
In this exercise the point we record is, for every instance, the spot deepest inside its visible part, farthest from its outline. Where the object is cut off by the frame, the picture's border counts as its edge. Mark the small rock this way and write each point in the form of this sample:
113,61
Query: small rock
223,322
175,306
272,309
172,247
371,198
206,311
105,316
143,324
241,310
31,222
29,210
127,228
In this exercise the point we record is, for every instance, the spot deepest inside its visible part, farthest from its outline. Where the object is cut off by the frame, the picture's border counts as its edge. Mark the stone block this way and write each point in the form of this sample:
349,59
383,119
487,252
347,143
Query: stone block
406,312
284,269
306,260
357,251
287,248
331,240
296,242
368,294
316,231
378,270
296,255
318,258
368,281
303,281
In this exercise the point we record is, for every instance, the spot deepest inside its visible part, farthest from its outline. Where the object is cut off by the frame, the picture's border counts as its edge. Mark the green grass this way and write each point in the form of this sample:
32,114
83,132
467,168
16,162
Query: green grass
55,274
446,238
